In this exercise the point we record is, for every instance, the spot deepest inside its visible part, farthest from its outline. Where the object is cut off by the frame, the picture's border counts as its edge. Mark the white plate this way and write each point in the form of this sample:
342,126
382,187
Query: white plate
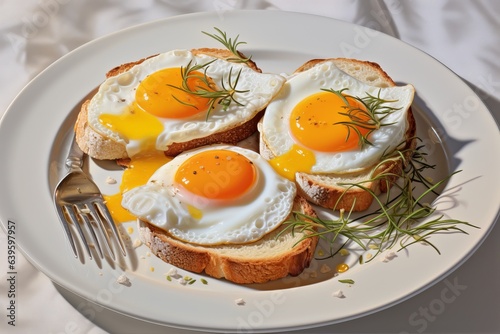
33,141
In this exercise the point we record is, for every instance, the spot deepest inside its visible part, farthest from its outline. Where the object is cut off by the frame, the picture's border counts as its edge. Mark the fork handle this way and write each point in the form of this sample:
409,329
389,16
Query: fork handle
74,160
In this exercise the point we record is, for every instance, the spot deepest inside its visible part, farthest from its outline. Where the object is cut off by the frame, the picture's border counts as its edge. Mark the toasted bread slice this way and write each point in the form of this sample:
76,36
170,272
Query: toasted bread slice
269,258
99,147
326,190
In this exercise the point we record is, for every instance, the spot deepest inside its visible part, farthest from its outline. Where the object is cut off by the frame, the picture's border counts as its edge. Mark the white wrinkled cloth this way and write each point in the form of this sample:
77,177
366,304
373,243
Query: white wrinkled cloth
463,35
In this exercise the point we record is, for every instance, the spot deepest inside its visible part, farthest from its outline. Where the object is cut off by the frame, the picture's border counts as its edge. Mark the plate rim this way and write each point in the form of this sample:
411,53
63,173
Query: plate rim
35,80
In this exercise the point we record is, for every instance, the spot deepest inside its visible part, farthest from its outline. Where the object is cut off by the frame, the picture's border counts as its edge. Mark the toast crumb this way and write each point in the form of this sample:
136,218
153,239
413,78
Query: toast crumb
240,302
338,294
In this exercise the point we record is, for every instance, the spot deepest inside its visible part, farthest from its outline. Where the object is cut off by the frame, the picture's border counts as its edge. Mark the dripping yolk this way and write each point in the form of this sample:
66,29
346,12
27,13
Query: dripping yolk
158,97
318,122
159,94
342,268
217,174
137,173
298,159
134,124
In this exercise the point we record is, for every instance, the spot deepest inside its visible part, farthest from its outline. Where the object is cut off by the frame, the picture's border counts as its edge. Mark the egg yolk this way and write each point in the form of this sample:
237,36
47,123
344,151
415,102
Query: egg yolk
298,159
159,93
134,124
137,173
316,122
217,174
342,268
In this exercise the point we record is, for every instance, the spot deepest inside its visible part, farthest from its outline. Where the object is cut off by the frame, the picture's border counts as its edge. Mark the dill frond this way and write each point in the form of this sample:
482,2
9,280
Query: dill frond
402,219
230,44
224,96
370,117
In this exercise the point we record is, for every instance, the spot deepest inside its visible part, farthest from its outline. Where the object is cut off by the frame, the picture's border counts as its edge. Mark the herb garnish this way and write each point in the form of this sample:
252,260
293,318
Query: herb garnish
207,89
231,45
370,117
223,95
398,218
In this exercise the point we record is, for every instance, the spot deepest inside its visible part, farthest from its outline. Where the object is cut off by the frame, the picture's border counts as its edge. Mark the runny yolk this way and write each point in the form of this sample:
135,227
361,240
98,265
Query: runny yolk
298,159
316,125
342,267
315,122
159,94
217,174
137,173
134,124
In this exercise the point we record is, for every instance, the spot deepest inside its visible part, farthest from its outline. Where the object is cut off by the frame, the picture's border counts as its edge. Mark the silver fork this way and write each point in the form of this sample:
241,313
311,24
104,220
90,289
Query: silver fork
79,202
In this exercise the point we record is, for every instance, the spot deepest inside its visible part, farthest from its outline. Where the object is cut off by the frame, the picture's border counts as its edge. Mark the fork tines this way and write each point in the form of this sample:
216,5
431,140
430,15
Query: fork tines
93,215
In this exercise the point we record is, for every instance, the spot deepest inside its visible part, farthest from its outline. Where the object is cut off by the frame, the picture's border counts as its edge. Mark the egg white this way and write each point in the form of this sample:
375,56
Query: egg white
118,92
244,220
278,137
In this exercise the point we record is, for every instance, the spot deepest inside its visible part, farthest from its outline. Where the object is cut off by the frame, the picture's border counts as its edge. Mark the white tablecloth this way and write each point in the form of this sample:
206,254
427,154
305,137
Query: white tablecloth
463,35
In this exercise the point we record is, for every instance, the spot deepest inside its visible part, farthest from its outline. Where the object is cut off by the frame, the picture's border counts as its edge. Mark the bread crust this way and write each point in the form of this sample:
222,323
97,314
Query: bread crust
99,147
356,199
323,190
350,66
218,262
92,143
231,137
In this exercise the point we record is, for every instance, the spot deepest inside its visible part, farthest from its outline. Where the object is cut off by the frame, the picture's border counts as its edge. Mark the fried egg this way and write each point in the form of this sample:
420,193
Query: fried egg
144,108
305,125
214,195
138,171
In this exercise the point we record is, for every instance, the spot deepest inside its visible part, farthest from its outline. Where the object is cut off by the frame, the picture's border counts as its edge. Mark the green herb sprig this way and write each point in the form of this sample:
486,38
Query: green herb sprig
370,117
399,219
230,44
224,96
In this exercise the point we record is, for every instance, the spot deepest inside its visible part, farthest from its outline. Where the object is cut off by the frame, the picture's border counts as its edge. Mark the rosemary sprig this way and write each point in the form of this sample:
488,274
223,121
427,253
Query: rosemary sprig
231,45
399,219
224,96
370,117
